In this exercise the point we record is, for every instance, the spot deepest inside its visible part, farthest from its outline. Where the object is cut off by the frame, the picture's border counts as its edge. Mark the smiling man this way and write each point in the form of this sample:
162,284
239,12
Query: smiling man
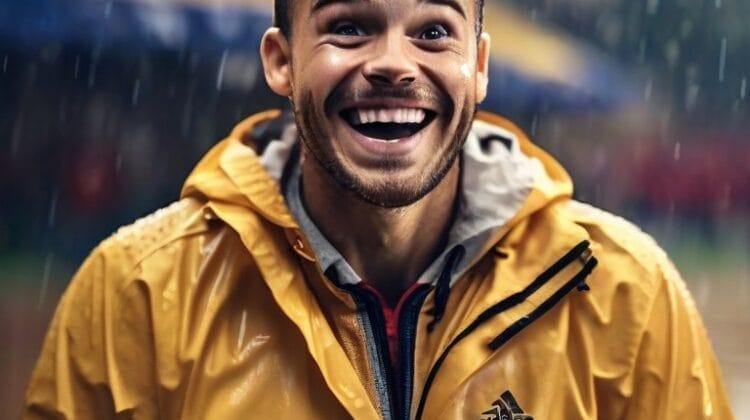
383,251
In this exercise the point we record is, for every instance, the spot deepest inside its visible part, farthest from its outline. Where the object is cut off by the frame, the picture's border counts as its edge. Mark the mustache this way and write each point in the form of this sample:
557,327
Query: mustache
422,94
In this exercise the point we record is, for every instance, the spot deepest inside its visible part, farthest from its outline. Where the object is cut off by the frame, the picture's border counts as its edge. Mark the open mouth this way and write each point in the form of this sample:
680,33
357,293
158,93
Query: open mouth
387,124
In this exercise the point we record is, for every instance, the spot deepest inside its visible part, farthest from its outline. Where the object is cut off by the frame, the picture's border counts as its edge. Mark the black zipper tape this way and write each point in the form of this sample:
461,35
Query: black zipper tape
511,301
407,330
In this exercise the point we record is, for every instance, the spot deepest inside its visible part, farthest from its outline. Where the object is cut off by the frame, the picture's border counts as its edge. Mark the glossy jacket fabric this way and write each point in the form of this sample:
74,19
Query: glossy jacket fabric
214,308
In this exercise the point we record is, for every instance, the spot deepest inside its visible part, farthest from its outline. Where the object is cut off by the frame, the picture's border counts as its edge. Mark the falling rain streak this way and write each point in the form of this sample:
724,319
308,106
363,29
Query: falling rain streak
77,66
95,54
220,73
5,63
51,216
45,280
743,88
722,59
136,92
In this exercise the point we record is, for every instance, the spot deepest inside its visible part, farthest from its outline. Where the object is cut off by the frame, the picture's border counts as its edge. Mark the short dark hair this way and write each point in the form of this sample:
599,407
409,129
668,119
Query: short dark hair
281,18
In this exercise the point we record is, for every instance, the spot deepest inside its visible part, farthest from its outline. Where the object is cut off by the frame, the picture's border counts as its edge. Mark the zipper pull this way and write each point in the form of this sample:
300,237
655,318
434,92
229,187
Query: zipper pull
584,259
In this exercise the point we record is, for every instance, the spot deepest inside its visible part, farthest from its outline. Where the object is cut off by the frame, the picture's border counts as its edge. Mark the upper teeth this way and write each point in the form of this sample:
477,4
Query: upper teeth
388,115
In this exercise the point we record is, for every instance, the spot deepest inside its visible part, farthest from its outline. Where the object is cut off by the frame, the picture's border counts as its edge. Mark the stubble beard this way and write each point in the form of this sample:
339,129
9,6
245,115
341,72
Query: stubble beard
389,191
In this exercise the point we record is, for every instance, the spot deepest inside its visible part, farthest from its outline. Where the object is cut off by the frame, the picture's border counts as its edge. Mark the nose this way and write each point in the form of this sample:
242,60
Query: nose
391,63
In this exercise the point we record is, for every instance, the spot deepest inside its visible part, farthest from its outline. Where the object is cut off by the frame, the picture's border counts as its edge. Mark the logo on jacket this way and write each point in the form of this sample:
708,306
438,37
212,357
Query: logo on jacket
505,408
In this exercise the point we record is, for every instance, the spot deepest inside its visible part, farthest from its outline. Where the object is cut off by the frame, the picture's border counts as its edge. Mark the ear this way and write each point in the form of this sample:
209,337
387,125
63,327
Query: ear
483,66
276,58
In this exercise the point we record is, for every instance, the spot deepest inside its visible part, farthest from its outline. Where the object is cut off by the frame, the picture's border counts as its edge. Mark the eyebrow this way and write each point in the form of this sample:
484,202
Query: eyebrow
319,4
453,4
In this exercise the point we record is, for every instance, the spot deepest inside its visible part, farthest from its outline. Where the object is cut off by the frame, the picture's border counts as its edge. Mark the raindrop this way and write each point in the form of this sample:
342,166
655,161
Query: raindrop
16,137
677,151
108,10
92,65
534,124
5,63
136,92
52,210
717,3
649,89
691,96
743,88
45,279
118,163
77,66
722,59
652,6
642,50
220,75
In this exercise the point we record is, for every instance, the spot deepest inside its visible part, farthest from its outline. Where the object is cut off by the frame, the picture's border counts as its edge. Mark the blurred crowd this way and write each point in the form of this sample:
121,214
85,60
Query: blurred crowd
98,131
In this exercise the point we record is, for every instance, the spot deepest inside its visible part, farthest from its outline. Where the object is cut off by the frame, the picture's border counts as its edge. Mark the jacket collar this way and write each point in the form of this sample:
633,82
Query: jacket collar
496,179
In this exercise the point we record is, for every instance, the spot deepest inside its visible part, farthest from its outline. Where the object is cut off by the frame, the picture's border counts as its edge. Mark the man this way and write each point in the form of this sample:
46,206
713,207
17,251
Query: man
388,254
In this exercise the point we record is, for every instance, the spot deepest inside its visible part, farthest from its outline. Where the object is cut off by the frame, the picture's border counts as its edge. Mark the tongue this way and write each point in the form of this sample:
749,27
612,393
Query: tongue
387,131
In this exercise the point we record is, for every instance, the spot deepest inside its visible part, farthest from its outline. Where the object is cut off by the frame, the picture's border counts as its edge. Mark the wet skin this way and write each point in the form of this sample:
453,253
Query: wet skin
384,93
363,58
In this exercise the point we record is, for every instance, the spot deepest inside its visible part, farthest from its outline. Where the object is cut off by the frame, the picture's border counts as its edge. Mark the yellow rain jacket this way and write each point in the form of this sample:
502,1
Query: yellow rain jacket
215,308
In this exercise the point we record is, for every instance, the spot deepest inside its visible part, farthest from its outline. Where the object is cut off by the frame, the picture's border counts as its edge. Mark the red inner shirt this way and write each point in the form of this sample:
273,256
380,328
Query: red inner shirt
391,316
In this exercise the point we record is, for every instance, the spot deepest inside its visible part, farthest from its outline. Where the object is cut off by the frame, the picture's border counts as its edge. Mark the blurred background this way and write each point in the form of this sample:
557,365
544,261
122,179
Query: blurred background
105,106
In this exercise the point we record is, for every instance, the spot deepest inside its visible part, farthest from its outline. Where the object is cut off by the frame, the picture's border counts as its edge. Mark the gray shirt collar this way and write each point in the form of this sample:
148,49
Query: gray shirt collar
496,178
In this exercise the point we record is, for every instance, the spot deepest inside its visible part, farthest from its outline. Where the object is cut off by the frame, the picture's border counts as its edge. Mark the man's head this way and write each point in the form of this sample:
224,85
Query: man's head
384,91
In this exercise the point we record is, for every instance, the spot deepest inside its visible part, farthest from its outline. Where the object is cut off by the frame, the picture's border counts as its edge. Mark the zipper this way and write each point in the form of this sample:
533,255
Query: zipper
580,252
373,322
395,396
407,329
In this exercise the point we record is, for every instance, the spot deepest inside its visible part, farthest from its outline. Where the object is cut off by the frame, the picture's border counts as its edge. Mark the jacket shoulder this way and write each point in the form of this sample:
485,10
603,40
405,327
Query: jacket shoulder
616,237
131,244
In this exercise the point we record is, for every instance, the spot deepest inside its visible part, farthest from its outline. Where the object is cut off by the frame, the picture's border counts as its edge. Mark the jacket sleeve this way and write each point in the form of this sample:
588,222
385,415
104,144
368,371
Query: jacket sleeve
676,375
96,361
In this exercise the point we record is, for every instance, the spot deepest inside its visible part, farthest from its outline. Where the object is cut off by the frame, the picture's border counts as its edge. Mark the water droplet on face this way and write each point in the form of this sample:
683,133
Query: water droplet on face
465,70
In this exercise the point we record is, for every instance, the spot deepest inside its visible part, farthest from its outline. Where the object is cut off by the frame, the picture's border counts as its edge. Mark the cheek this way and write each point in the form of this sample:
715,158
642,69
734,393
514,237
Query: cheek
327,68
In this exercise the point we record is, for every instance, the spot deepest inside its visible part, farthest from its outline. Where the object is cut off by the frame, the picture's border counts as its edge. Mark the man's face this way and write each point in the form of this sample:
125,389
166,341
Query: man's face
384,91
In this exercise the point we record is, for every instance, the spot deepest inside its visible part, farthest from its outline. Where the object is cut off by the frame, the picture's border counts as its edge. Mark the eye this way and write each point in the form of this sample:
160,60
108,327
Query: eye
434,32
347,29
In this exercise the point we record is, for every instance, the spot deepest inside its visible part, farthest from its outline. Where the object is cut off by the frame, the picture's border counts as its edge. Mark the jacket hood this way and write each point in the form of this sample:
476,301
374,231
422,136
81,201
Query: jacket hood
505,177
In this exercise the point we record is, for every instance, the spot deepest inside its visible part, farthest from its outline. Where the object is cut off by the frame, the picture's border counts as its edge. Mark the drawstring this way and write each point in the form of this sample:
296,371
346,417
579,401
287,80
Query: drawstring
443,286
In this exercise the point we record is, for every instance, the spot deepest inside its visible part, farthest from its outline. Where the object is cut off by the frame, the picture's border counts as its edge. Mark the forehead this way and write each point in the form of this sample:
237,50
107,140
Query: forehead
306,8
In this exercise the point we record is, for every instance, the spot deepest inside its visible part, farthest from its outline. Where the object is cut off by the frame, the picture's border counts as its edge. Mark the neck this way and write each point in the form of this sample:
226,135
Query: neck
387,247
